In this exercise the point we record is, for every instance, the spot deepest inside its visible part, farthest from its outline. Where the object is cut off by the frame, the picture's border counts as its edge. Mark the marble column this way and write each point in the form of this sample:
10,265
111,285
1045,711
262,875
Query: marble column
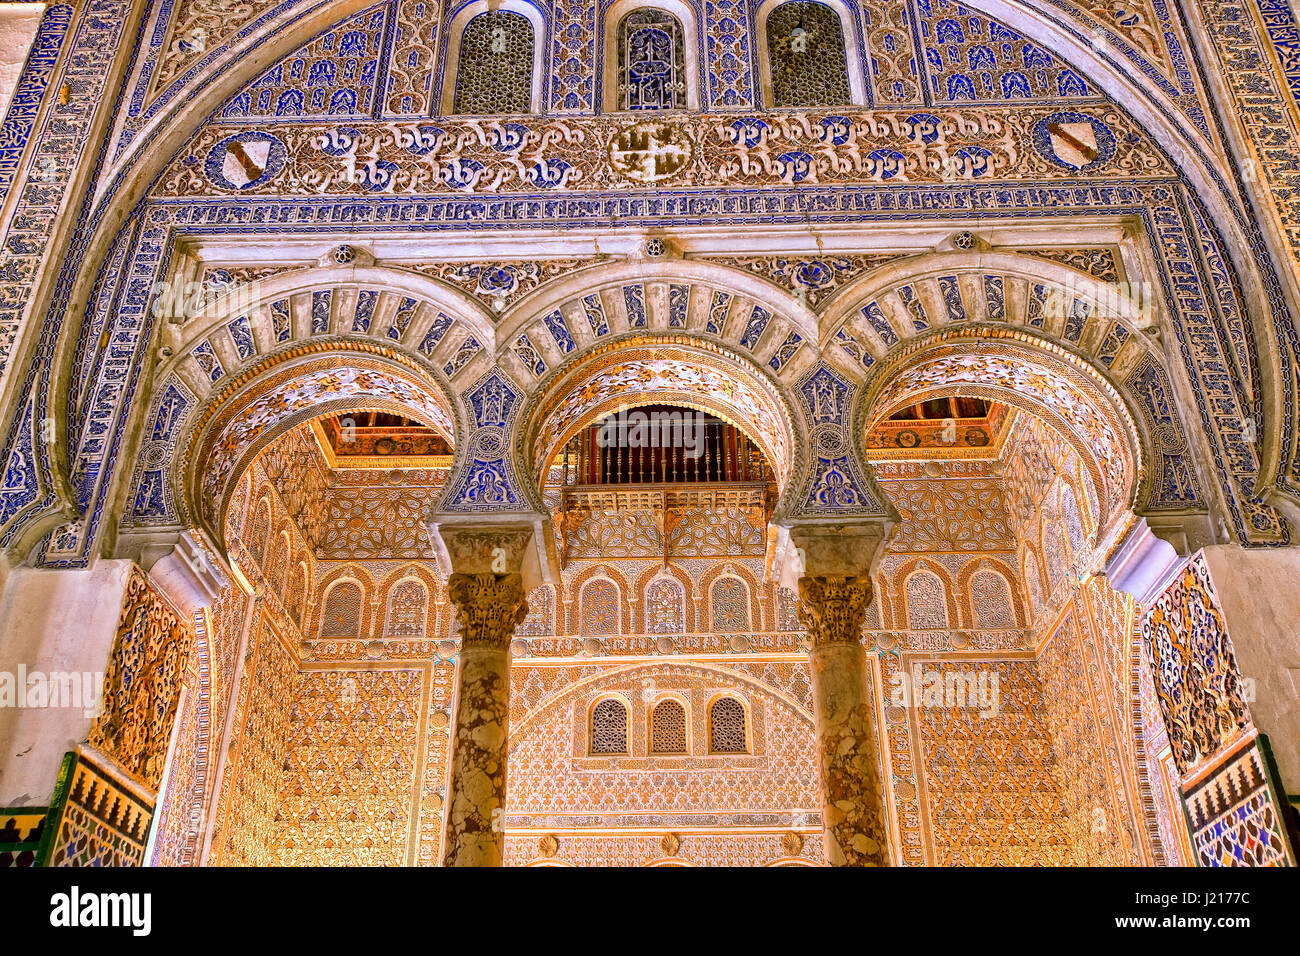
488,607
833,609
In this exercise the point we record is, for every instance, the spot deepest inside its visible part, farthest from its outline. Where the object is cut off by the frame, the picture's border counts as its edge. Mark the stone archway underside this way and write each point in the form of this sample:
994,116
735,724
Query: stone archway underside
229,437
696,375
1087,413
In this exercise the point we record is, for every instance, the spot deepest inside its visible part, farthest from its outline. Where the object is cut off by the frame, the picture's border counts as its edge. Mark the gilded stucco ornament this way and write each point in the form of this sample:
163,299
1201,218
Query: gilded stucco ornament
142,684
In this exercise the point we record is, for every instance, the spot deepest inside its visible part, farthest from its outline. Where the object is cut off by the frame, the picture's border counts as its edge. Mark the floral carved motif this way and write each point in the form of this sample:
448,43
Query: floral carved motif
488,607
1196,677
833,609
143,682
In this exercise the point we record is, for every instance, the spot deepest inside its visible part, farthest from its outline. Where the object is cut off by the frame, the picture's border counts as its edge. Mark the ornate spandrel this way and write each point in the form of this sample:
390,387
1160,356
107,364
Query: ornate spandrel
143,682
1197,682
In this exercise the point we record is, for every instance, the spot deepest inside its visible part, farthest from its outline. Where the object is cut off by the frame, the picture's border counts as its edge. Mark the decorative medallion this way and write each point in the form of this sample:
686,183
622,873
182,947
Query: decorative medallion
650,152
1074,140
245,160
829,438
489,442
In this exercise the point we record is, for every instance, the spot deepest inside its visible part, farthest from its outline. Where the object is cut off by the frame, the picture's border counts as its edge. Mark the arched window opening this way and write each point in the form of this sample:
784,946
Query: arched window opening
991,600
1054,548
261,531
663,444
277,565
541,613
406,610
664,605
668,728
600,608
729,601
298,597
651,67
727,727
1073,524
494,69
805,51
927,605
1034,582
342,617
609,727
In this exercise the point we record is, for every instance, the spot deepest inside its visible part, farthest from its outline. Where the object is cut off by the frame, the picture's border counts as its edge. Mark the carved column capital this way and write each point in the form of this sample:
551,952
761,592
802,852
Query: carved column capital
488,607
834,608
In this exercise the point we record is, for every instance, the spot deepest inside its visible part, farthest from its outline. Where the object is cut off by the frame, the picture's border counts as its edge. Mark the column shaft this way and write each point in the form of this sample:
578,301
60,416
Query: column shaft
488,607
834,609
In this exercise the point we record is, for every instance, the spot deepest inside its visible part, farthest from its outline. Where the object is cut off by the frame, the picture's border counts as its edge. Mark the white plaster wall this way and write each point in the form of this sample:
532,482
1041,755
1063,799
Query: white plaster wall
1259,591
18,23
52,621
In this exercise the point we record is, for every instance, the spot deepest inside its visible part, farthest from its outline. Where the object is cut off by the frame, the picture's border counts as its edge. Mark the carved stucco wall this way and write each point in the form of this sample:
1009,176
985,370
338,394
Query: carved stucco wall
737,809
341,758
1083,634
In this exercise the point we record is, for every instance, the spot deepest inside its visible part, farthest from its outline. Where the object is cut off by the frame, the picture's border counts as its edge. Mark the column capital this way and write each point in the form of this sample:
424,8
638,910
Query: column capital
834,608
488,607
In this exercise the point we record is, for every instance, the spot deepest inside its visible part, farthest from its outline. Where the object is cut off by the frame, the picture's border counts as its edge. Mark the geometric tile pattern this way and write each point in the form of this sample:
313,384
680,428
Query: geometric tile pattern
104,817
1236,816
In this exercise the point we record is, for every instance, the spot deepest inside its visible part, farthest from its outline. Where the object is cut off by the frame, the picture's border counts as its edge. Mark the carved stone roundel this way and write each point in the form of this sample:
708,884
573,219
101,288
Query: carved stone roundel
650,152
829,439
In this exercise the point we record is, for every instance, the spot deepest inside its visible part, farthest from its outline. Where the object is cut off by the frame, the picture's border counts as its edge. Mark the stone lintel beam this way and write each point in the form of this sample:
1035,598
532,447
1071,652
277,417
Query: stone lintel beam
1187,533
520,543
180,564
842,549
1145,562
